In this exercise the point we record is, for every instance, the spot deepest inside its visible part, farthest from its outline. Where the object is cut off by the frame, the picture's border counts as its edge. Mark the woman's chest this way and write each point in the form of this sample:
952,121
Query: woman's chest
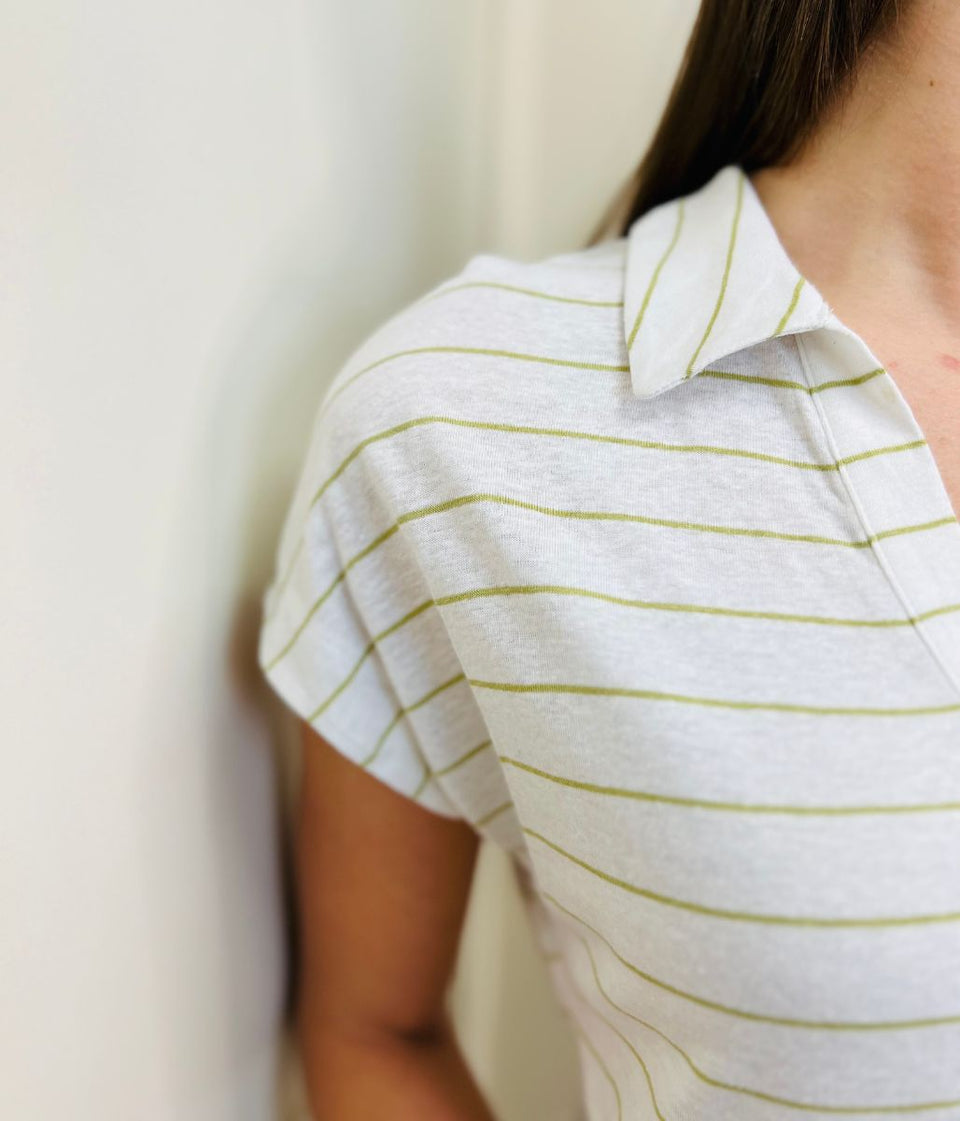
742,817
698,660
748,595
737,777
924,368
931,388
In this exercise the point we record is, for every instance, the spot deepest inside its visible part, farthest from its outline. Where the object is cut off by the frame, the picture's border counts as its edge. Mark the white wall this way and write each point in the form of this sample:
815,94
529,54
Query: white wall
203,208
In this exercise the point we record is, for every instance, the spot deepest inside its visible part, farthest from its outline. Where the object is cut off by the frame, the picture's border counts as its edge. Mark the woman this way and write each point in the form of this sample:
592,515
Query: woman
642,562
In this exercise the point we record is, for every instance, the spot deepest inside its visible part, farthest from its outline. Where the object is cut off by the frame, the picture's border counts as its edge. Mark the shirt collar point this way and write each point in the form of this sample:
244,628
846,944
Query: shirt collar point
706,277
650,378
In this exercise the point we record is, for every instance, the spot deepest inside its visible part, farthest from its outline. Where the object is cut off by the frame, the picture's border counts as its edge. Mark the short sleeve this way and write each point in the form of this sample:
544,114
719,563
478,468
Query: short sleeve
351,639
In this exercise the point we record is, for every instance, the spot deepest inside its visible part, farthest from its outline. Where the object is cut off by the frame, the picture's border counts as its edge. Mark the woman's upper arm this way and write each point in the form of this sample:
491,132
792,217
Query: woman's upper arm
382,886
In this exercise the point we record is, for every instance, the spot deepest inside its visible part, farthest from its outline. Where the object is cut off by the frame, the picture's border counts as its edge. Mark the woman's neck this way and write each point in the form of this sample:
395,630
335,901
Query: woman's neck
873,201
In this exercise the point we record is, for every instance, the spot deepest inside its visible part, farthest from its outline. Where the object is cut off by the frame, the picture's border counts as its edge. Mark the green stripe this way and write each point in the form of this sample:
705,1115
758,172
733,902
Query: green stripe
950,519
327,592
728,612
728,807
367,651
431,774
585,1039
401,712
488,352
785,383
745,916
730,1087
794,299
600,367
627,1043
726,274
595,515
555,589
670,523
692,608
713,702
395,720
871,453
423,782
493,813
641,311
754,1017
522,292
464,758
574,434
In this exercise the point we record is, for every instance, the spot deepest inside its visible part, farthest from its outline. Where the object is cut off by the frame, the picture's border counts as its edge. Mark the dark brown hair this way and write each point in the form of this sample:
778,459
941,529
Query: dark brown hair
754,81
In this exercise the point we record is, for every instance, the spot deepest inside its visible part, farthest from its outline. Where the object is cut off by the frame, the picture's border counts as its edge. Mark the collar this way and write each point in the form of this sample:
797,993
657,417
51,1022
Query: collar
706,275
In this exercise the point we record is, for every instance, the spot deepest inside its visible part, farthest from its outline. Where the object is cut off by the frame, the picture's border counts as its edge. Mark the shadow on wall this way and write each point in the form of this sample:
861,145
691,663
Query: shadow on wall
392,218
241,478
237,783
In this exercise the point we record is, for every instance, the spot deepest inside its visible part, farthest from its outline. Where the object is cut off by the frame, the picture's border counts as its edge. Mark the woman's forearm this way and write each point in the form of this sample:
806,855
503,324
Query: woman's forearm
389,1075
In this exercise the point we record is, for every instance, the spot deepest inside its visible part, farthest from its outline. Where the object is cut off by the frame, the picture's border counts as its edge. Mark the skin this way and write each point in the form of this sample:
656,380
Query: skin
382,888
870,214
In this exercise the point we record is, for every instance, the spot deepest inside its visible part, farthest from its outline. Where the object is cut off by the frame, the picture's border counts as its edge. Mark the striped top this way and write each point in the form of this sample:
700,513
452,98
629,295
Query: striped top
636,559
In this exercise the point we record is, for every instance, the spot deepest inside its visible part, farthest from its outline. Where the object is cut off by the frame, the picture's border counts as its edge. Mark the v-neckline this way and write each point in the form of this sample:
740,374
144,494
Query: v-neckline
832,321
904,504
952,502
907,416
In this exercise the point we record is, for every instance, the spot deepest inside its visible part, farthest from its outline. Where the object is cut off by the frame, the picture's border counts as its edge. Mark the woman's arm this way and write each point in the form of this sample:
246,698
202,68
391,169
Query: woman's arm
382,886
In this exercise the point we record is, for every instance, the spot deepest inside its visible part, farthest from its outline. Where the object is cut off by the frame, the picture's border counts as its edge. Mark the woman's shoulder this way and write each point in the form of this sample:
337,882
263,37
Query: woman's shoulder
482,327
493,289
590,272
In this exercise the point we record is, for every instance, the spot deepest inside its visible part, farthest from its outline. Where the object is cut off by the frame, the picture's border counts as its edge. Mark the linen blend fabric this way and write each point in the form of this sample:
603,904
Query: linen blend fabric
636,559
